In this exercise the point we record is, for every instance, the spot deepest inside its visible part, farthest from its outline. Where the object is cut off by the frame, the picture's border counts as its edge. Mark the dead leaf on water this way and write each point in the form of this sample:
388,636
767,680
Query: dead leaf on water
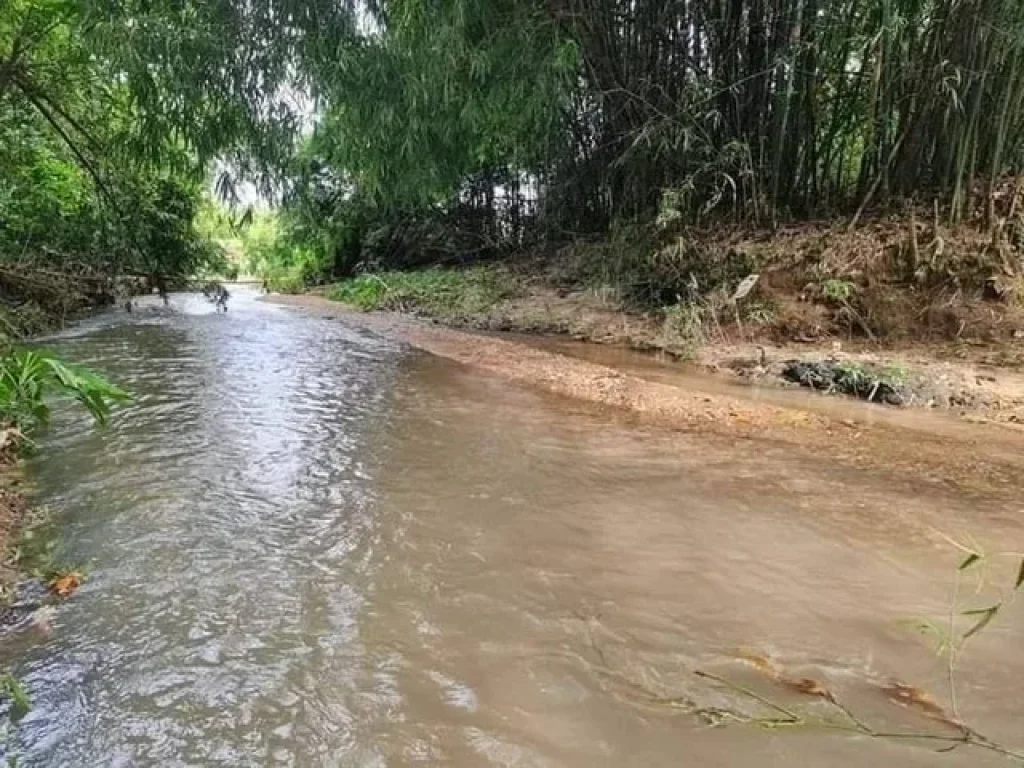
911,696
760,662
66,584
809,687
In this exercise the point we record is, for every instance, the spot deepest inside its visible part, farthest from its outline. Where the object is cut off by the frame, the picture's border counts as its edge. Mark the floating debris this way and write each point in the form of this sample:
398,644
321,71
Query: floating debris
65,584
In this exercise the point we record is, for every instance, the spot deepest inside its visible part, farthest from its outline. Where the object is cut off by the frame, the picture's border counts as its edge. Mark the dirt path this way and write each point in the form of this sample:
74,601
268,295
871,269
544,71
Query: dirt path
967,458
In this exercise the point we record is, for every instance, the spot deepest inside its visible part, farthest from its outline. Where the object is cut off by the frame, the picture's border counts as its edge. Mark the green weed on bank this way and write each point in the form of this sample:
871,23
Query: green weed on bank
448,293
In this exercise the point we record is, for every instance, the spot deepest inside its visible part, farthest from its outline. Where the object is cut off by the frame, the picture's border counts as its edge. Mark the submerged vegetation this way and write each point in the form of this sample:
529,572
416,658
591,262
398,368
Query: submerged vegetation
782,698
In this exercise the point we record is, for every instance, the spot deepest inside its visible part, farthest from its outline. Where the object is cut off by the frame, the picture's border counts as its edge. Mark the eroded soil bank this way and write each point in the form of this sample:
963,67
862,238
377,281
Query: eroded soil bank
899,310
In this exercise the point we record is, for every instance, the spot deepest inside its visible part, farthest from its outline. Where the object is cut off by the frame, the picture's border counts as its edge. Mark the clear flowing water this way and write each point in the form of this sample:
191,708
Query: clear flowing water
311,546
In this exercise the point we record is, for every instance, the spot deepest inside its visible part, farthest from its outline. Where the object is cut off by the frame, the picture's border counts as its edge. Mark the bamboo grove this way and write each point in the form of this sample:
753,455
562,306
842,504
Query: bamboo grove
795,107
396,125
564,117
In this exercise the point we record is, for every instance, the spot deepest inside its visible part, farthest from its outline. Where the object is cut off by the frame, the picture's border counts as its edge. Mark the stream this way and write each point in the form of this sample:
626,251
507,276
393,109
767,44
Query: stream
309,545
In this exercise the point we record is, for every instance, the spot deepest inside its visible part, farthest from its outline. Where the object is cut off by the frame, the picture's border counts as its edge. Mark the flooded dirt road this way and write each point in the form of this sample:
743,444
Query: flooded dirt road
312,545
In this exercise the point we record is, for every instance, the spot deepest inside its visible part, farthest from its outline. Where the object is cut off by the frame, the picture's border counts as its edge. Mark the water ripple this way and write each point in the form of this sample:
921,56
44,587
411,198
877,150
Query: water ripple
240,476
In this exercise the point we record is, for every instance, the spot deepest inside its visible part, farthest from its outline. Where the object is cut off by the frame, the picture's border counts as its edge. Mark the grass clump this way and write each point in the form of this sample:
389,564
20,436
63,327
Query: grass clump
367,292
686,328
285,280
451,294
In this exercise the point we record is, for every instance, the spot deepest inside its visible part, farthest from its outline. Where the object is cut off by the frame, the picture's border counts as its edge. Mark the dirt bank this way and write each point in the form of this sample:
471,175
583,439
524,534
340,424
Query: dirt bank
13,510
969,458
902,310
981,380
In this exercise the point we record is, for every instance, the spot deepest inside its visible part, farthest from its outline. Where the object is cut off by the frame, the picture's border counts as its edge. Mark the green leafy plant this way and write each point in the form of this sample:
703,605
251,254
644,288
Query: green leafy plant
14,692
28,378
686,327
969,614
827,708
759,312
366,292
851,377
836,290
896,375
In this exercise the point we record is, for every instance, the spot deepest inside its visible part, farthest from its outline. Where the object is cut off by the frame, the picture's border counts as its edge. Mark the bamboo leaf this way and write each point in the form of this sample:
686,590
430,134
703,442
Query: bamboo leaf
986,615
970,560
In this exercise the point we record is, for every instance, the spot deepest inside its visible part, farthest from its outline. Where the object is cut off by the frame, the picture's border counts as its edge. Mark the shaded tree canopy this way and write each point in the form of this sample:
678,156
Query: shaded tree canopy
112,115
452,127
500,121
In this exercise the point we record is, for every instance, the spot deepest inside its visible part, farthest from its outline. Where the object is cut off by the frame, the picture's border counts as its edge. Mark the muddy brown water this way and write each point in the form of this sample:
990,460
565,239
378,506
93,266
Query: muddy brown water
309,545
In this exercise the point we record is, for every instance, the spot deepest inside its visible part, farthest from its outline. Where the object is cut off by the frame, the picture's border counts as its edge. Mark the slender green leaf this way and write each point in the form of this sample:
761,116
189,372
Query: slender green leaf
986,615
970,560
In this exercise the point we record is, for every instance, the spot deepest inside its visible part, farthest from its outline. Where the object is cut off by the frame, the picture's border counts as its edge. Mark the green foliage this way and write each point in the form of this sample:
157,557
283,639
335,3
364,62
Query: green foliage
868,382
28,378
12,688
852,377
408,132
35,551
759,111
758,311
112,113
649,274
894,375
53,217
686,327
423,119
273,252
837,291
365,292
445,293
444,91
175,92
